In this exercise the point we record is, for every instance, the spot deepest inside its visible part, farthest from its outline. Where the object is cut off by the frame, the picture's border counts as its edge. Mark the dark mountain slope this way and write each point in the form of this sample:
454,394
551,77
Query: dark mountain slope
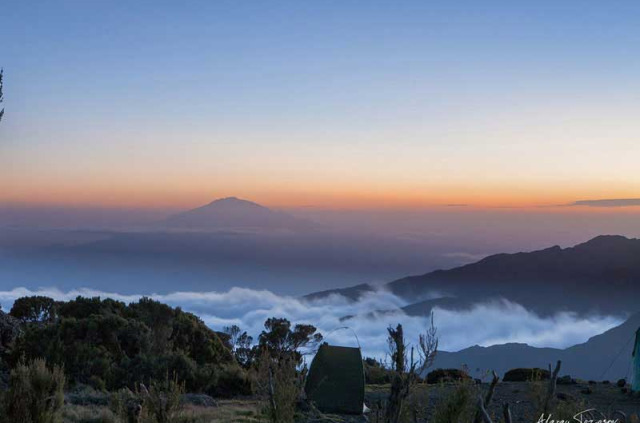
601,275
603,357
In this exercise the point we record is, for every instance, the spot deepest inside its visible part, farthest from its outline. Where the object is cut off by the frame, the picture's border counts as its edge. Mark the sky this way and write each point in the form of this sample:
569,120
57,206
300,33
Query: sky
332,104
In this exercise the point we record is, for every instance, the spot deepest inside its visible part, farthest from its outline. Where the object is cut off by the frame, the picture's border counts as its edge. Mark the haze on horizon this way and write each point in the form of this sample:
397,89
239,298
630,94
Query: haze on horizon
323,104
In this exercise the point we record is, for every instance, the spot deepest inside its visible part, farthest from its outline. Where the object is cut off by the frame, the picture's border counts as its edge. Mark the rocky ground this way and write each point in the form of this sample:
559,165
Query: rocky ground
425,405
523,398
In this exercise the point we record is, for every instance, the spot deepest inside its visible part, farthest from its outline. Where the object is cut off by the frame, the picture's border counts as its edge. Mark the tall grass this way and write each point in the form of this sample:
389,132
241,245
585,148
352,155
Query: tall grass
280,384
163,400
160,403
35,394
459,406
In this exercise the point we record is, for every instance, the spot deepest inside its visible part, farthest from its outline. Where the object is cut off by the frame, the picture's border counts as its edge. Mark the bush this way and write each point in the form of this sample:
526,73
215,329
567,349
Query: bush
459,406
163,400
110,345
447,375
35,395
281,384
231,381
126,405
566,380
375,373
526,375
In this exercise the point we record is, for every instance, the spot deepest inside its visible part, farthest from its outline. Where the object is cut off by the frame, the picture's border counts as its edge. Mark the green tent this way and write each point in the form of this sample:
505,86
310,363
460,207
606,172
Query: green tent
335,383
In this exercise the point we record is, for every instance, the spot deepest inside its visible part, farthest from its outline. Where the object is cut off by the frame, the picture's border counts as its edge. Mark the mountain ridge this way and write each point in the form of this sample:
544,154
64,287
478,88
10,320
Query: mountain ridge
606,356
538,280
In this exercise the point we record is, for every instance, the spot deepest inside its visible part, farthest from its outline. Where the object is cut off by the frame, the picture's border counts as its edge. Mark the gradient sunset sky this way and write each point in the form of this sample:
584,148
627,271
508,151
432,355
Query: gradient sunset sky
325,103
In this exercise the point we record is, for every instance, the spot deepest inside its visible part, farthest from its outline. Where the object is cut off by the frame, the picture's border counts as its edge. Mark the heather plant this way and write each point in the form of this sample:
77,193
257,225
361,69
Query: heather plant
163,400
459,406
126,405
279,381
35,394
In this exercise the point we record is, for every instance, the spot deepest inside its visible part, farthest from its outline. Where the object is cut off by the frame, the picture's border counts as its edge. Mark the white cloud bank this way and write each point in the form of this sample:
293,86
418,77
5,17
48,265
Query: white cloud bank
485,324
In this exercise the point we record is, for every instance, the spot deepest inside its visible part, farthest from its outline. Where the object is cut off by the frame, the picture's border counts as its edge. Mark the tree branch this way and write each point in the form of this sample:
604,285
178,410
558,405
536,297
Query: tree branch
507,413
483,411
551,391
489,397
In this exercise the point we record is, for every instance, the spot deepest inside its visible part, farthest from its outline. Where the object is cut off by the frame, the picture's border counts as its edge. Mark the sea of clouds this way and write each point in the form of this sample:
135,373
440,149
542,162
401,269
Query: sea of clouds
484,324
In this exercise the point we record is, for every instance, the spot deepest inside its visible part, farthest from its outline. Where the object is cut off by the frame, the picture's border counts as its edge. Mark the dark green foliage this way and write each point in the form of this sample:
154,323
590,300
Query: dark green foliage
191,336
34,309
9,331
83,307
109,345
231,381
280,340
375,372
240,343
35,395
566,380
280,383
157,317
526,375
447,375
276,359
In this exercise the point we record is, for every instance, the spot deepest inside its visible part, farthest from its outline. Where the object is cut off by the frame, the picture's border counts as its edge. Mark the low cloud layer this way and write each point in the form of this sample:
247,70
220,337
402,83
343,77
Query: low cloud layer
484,324
616,202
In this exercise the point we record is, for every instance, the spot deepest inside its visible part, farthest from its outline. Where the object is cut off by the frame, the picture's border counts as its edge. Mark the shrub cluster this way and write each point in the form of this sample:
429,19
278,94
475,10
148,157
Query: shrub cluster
526,375
109,345
35,394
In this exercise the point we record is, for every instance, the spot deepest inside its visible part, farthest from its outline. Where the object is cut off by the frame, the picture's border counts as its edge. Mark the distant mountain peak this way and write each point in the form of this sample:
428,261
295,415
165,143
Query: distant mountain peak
233,201
236,213
606,241
226,199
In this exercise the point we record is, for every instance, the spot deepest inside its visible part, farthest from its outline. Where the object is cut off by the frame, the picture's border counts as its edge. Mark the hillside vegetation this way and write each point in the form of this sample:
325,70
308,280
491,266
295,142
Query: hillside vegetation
110,345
